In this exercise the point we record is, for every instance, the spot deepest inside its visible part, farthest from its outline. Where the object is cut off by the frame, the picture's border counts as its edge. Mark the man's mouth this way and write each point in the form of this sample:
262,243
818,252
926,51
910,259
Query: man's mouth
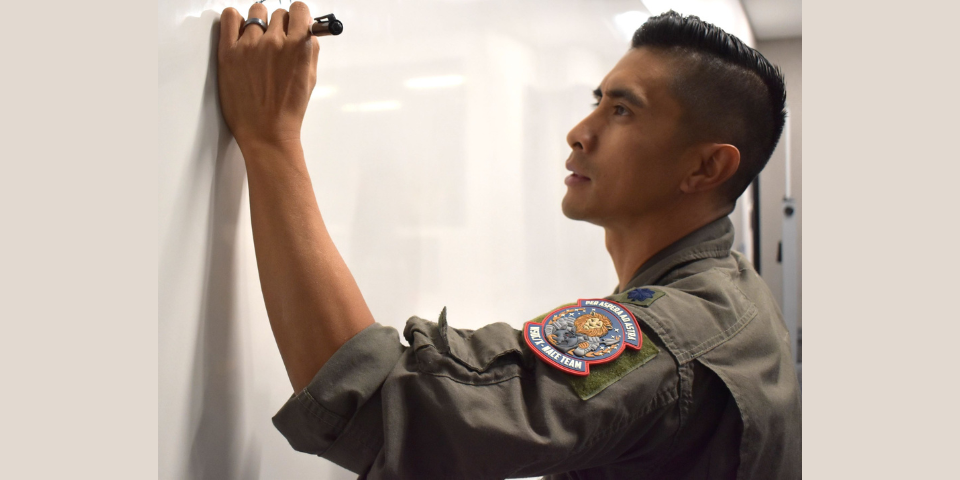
575,179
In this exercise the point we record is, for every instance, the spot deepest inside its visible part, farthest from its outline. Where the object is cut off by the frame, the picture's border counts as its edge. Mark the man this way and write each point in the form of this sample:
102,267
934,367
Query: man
683,373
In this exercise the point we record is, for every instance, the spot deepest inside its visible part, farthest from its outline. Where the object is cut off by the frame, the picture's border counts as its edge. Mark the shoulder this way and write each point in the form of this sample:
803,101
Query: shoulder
703,305
695,313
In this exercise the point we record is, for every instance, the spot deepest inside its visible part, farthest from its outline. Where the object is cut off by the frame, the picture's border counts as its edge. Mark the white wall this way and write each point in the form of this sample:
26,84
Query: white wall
448,197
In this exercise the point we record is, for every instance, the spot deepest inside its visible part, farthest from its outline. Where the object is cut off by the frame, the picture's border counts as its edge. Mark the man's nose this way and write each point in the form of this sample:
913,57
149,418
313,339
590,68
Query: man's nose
583,135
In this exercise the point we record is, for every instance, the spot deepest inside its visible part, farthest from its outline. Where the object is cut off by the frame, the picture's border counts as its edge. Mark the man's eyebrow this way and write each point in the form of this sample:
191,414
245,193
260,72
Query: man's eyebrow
621,93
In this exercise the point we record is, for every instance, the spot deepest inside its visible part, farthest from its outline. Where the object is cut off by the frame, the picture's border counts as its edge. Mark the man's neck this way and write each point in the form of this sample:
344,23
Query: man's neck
631,243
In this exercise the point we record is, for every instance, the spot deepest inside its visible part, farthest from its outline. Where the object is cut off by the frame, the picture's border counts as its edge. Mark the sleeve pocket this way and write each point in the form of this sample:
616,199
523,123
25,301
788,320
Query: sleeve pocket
492,354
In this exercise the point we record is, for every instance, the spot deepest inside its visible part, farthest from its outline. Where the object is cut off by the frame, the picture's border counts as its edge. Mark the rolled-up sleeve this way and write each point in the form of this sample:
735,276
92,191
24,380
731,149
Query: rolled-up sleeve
337,416
470,404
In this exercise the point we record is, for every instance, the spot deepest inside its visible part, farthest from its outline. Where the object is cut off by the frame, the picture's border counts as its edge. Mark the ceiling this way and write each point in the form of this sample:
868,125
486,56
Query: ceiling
774,19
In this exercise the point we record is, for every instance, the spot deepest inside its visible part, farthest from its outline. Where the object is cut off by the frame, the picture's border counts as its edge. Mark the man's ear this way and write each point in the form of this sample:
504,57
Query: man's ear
714,164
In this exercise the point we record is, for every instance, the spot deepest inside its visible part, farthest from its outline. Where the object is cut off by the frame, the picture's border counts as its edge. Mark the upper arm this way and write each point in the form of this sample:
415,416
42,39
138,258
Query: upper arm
473,404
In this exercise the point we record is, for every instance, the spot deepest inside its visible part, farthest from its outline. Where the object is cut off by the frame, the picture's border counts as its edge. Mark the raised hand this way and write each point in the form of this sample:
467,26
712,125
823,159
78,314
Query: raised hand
266,77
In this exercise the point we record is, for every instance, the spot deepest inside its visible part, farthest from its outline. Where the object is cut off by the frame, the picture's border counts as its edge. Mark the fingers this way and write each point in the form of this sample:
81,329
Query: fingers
252,33
230,21
278,23
300,21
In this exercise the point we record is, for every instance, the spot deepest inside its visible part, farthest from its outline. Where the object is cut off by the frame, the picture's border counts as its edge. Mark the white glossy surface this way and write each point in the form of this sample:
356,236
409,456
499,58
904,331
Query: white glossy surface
435,140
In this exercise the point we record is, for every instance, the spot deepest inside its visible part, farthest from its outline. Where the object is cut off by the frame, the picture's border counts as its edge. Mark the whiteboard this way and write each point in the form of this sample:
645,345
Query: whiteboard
436,143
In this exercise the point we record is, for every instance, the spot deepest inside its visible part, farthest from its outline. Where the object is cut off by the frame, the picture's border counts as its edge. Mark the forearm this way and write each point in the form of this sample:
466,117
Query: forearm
265,77
312,300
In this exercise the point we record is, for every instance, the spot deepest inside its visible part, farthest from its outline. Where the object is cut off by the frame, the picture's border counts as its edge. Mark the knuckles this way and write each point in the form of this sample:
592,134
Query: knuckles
230,13
258,10
300,7
271,43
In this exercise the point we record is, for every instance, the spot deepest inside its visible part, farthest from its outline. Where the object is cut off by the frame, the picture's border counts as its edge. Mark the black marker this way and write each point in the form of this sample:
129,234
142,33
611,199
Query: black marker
326,25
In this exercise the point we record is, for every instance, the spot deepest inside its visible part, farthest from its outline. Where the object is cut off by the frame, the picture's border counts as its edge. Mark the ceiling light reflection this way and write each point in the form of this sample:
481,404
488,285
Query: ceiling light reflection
434,82
371,106
323,91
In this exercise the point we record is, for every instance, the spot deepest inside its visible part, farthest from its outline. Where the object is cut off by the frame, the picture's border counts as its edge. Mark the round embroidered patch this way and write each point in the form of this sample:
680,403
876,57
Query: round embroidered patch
573,338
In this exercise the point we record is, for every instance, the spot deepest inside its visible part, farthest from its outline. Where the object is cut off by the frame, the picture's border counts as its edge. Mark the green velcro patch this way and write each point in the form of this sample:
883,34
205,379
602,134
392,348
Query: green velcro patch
605,374
642,296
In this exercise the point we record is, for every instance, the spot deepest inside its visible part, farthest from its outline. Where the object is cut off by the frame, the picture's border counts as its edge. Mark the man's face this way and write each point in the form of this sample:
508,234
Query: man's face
625,158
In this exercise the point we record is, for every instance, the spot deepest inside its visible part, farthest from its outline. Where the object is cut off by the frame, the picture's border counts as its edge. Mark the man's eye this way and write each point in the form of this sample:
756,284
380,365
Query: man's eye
597,103
619,110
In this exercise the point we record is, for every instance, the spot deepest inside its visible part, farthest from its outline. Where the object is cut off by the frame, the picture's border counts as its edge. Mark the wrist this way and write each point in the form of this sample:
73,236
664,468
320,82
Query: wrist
259,154
259,146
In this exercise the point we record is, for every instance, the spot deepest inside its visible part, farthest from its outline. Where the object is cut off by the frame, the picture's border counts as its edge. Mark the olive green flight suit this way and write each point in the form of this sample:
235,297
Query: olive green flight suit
713,394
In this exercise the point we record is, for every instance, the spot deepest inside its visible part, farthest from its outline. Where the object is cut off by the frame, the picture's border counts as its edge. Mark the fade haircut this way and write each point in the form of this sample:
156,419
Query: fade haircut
729,92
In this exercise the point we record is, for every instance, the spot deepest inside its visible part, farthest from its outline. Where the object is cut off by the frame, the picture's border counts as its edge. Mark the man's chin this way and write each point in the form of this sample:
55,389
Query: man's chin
579,211
573,210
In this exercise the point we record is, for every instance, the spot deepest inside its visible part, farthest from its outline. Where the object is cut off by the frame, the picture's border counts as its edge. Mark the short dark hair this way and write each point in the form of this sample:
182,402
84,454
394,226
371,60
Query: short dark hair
729,92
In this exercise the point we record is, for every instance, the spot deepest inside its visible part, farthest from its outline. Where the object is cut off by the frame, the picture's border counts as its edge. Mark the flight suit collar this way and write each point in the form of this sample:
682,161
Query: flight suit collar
711,240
